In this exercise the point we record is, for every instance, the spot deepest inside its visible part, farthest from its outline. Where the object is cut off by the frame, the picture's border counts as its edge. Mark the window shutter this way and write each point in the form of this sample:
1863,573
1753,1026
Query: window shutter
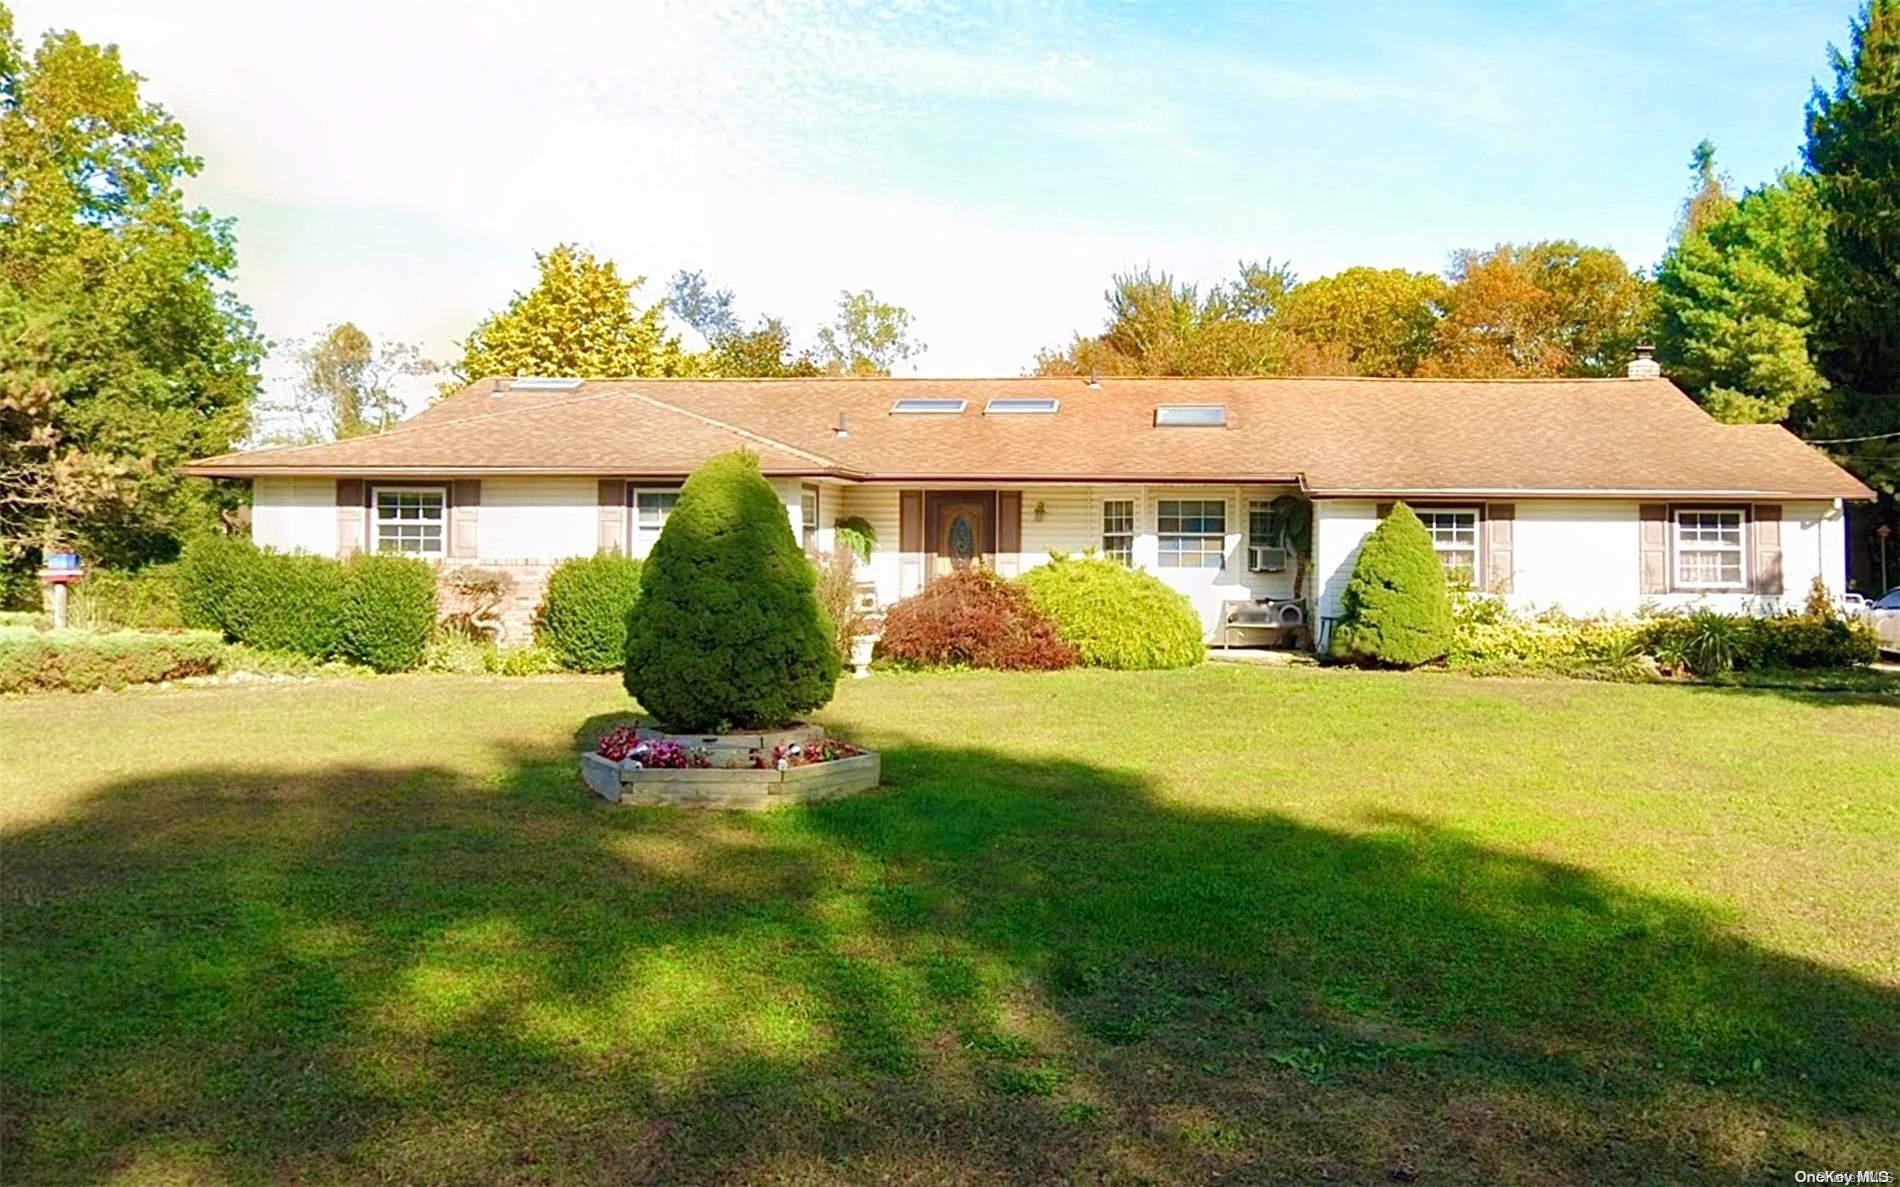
1768,548
910,541
612,501
1500,521
465,512
1653,543
1009,531
1385,509
352,515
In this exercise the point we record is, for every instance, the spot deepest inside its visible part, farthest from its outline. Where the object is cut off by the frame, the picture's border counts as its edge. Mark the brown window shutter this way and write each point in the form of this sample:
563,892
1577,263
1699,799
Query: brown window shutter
465,512
1653,543
1009,521
1500,522
910,521
352,515
1384,509
612,503
1767,527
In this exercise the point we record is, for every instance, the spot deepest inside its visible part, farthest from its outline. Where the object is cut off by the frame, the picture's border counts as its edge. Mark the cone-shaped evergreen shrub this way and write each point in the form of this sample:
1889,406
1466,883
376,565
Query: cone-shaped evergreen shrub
1397,610
729,631
1115,616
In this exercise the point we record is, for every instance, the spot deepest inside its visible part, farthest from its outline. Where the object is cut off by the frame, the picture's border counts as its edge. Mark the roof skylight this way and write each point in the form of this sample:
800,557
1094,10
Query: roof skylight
1021,406
923,407
543,383
1191,415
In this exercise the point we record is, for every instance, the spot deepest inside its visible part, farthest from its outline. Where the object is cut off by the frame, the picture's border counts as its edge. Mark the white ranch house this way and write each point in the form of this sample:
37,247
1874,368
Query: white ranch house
1601,495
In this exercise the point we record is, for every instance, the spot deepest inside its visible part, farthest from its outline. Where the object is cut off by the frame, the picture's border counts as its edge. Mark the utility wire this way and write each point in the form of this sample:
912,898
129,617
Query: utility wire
1849,440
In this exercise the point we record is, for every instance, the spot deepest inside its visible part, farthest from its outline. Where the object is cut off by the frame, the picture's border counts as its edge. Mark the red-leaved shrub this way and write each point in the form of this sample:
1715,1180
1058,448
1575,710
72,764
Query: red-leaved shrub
972,618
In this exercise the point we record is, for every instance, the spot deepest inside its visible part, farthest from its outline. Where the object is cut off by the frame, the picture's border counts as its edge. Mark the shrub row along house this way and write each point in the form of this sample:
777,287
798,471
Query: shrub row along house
1598,495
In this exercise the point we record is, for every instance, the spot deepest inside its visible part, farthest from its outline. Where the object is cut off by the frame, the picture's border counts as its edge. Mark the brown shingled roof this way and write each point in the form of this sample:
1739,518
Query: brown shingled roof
1335,436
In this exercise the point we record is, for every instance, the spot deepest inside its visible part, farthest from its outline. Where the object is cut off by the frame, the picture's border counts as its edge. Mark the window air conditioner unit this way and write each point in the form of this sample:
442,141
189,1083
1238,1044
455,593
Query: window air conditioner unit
1264,558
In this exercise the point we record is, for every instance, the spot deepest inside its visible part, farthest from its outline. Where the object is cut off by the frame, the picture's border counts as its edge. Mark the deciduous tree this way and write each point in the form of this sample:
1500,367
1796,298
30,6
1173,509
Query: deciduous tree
579,319
345,387
122,351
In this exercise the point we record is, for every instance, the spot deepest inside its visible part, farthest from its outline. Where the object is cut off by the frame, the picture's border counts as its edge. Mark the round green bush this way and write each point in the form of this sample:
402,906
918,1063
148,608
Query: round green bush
388,612
210,568
1397,611
730,632
1115,616
584,614
288,602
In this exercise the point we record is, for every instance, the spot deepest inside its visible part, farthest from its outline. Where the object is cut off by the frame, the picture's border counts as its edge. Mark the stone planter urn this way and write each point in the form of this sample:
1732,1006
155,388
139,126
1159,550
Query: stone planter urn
861,649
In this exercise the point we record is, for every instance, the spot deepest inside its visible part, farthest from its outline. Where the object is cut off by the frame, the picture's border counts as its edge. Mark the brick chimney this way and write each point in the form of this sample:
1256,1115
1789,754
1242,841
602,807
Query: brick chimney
1644,365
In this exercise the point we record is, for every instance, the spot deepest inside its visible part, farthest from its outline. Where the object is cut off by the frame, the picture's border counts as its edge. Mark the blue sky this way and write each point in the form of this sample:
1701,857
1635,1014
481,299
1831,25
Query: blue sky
986,165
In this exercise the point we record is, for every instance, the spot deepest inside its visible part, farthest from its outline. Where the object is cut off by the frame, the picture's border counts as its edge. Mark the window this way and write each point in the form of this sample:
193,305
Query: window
808,516
1709,549
1454,535
412,520
1118,530
1191,533
917,407
1266,546
1191,415
1018,406
651,507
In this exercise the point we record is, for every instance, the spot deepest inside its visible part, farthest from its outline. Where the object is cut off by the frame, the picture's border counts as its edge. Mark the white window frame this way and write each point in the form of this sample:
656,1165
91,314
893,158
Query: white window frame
639,529
1678,547
377,520
1442,547
809,513
1162,535
1255,547
1125,554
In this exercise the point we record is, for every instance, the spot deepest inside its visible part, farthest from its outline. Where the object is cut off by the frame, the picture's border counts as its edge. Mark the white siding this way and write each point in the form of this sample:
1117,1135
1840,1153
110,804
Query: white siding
536,519
1582,556
294,514
877,505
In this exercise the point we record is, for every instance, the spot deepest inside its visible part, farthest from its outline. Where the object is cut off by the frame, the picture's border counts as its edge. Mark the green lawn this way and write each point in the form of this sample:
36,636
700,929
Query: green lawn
1270,926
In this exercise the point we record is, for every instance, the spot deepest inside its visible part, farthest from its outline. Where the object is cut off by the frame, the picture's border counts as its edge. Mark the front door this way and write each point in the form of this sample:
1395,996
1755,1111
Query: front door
962,526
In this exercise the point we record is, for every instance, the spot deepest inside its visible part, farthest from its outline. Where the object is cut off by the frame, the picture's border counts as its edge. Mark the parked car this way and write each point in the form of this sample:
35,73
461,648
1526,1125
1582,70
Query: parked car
1886,617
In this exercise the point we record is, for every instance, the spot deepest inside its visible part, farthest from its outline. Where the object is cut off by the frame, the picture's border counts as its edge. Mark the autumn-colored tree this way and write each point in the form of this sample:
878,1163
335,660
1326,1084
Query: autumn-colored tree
580,319
1554,308
122,351
1383,321
1160,326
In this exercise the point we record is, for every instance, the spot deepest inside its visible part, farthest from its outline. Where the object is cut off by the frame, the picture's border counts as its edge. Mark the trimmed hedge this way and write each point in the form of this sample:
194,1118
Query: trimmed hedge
973,618
210,569
388,612
373,610
729,631
1396,608
584,615
1115,616
81,661
289,602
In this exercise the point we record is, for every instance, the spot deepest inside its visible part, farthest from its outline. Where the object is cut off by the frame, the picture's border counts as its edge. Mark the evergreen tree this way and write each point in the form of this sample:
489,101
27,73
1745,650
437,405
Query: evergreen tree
729,631
1396,610
1734,301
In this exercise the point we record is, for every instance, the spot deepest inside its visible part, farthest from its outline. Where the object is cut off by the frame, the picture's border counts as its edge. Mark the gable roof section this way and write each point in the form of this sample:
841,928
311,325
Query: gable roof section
1335,436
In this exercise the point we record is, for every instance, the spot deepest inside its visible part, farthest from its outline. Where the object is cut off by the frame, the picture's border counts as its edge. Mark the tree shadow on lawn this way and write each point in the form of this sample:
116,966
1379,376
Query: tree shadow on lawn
997,970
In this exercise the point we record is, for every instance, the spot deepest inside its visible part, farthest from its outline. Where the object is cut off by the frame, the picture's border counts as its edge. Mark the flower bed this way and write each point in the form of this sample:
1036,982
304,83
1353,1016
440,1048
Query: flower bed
635,764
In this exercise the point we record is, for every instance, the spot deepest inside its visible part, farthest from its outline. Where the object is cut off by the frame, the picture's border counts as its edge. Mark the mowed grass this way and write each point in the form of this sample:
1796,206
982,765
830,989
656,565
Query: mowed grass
1261,926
